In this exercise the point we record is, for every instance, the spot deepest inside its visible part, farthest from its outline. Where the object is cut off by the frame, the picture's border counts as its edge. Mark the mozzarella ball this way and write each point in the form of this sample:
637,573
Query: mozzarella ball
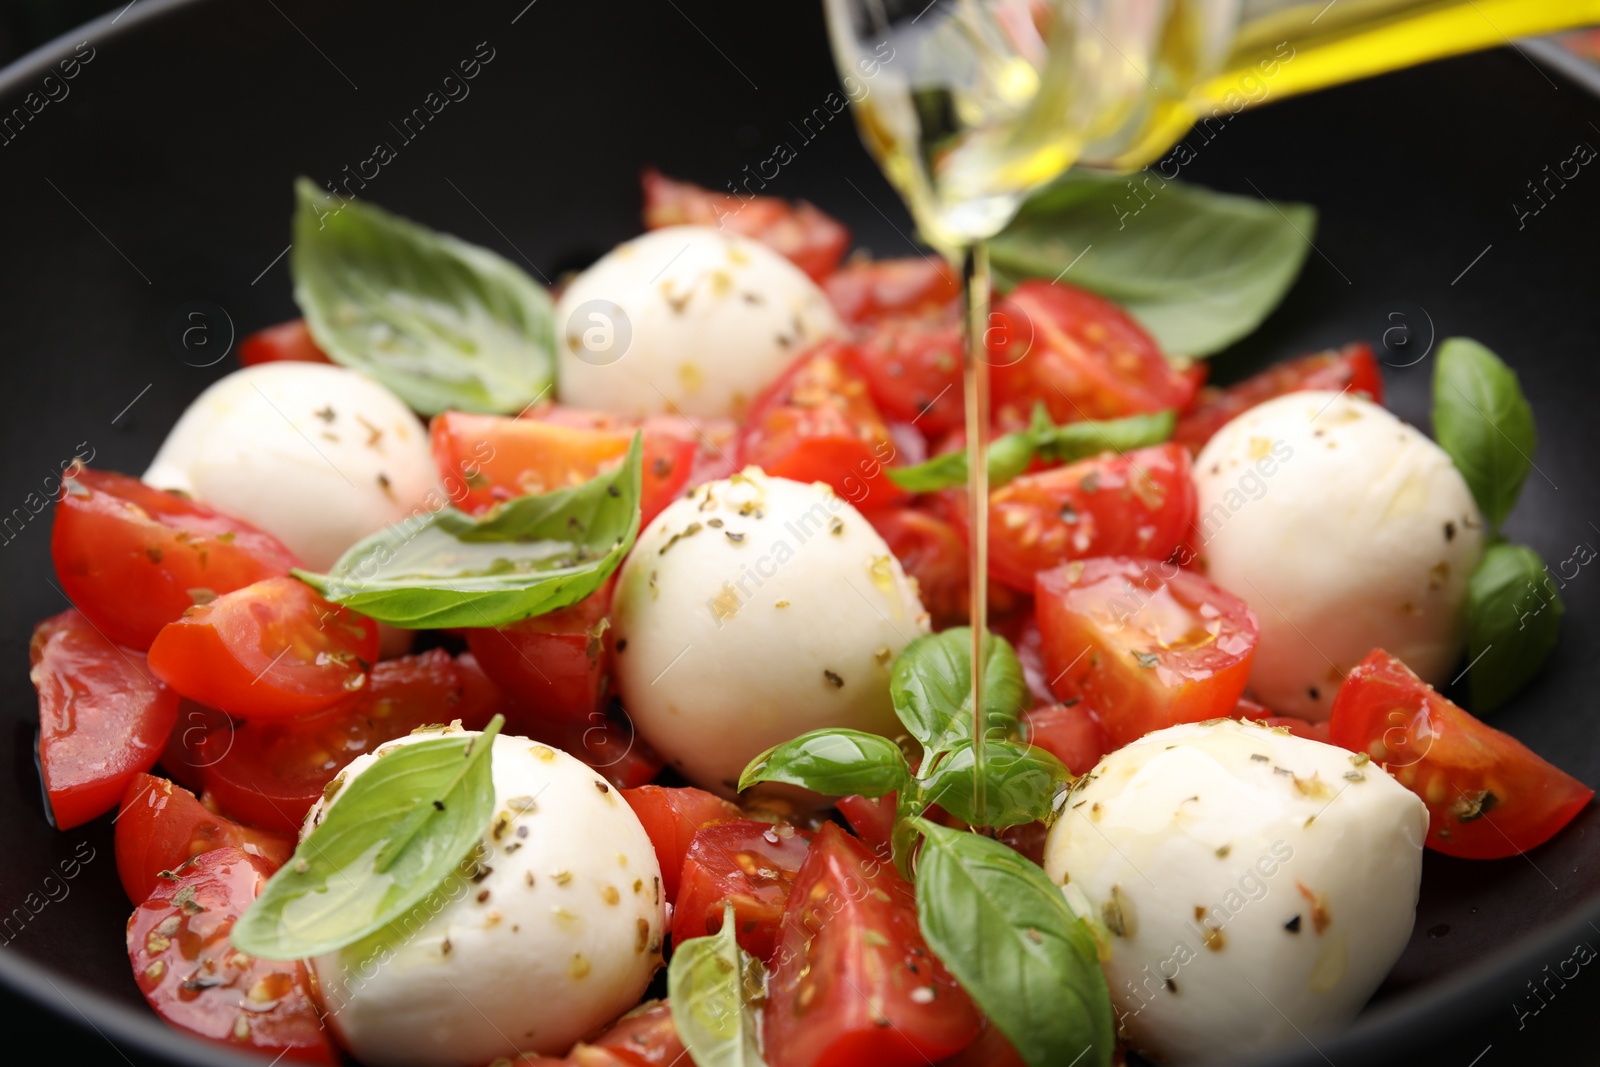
316,455
1345,530
1224,855
752,610
686,319
557,933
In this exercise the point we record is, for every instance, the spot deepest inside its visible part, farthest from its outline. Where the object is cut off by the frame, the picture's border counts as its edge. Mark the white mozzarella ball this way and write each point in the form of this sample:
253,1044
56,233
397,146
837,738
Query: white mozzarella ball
561,935
753,610
1345,530
685,319
1223,856
316,455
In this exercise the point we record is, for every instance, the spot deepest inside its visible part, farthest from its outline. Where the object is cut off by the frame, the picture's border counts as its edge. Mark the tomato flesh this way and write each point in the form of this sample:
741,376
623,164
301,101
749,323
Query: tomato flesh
104,717
1079,355
486,459
742,862
272,650
1069,733
1351,368
1143,645
808,238
554,666
912,367
874,289
672,816
1488,795
1141,503
933,552
816,423
160,827
133,558
190,973
853,981
290,341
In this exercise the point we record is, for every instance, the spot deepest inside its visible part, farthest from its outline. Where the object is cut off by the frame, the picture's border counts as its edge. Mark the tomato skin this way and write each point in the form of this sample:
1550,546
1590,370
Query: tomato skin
1488,795
933,552
1141,503
872,819
1078,354
1144,645
554,666
103,717
874,289
129,555
1338,369
672,816
486,459
816,423
808,238
268,774
1069,733
272,650
187,968
833,986
160,827
742,862
290,340
912,367
644,1037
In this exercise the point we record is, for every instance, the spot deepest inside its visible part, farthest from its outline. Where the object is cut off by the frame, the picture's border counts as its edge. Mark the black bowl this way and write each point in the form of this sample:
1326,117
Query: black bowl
149,206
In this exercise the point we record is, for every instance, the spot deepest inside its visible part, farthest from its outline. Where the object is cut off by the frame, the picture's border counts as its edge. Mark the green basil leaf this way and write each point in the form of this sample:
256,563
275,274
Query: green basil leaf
1073,441
1481,418
940,472
440,322
528,556
931,684
1513,621
714,989
1007,935
1020,782
387,841
834,762
1198,269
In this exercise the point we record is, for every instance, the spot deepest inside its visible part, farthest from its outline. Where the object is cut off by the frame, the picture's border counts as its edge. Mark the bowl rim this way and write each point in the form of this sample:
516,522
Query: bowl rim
1402,1022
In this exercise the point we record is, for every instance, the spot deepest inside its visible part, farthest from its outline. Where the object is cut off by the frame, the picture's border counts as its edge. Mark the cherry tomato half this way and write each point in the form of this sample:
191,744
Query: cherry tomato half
104,717
918,286
1143,644
805,236
552,666
272,650
1069,733
133,558
742,862
672,816
290,341
1488,795
1349,368
160,827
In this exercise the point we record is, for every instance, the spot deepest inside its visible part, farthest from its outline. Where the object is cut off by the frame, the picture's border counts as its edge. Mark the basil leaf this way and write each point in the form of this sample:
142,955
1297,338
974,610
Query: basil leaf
1020,782
1005,932
835,762
1009,455
1513,621
440,322
1198,269
1483,421
714,989
931,684
391,837
526,557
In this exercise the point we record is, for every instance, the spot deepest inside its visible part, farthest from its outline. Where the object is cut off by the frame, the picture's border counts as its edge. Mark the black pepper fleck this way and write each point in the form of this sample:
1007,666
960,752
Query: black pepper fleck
833,679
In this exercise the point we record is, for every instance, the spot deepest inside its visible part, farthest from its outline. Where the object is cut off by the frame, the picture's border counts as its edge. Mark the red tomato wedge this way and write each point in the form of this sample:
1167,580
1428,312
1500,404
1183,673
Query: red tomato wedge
816,423
133,558
1144,645
1488,795
672,816
1069,733
272,650
553,667
1351,368
190,973
486,459
645,1037
873,289
742,862
1078,354
270,773
811,240
872,818
933,552
912,367
1141,503
853,981
290,341
160,827
104,717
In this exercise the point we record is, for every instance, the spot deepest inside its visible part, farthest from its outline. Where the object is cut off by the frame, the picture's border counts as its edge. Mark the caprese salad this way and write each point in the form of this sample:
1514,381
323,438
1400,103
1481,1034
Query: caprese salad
474,652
